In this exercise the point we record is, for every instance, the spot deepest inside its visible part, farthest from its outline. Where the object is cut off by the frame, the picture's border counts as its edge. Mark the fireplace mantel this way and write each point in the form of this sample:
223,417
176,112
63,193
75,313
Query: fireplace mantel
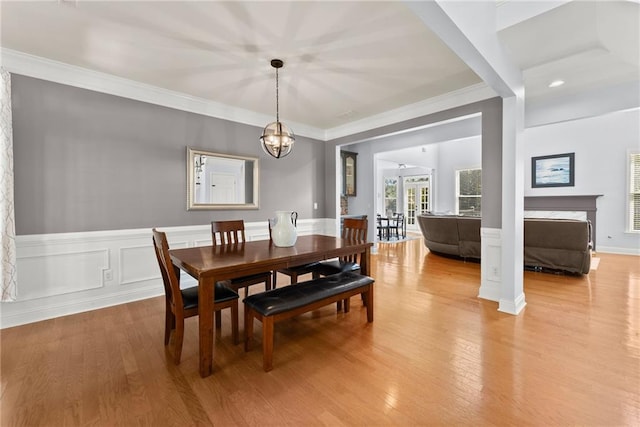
585,203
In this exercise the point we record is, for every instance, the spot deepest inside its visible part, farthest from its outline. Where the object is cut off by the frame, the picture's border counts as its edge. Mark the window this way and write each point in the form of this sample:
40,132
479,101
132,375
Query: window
390,195
634,192
469,192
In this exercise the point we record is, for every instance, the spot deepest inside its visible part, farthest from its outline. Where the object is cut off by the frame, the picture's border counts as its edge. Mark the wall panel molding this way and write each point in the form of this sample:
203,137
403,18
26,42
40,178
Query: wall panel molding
60,272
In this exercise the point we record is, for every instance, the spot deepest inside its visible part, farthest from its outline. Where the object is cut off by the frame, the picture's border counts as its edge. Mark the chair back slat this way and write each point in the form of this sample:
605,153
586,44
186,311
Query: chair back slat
227,232
170,274
354,230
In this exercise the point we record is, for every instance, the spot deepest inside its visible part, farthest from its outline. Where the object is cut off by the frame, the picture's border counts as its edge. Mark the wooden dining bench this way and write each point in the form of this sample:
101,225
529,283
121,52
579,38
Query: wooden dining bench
289,301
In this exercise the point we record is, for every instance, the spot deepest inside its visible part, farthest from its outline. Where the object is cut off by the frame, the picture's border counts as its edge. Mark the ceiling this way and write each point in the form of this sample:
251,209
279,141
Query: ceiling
344,61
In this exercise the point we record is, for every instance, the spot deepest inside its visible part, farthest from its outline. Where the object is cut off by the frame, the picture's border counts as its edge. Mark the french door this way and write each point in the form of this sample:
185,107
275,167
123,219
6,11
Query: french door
417,192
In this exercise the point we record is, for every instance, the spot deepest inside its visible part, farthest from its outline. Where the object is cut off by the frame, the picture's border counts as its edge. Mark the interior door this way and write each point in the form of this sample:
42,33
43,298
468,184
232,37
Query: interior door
417,191
223,188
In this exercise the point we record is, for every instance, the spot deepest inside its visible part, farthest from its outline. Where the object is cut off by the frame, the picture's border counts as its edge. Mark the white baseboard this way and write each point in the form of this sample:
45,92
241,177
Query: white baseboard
619,251
512,307
67,273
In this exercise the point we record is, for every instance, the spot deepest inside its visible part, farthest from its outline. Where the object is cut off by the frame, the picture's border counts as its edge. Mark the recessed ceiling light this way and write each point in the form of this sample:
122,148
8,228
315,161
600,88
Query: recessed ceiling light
556,83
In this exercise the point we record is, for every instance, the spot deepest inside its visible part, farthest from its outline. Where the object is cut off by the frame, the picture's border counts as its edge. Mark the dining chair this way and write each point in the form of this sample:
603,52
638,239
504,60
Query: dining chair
383,227
354,229
398,224
292,272
183,303
228,233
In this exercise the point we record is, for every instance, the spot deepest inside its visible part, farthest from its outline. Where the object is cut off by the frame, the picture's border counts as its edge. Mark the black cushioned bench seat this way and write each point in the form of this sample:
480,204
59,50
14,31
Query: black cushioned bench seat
289,301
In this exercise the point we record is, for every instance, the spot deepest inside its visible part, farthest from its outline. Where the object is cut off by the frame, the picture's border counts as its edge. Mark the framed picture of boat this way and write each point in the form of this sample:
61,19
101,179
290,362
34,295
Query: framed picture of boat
557,170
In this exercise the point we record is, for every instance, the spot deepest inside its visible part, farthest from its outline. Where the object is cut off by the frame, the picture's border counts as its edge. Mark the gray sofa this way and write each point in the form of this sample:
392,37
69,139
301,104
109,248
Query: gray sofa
555,244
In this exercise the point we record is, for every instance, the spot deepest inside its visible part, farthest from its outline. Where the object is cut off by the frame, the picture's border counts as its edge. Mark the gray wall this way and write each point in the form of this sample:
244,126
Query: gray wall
87,161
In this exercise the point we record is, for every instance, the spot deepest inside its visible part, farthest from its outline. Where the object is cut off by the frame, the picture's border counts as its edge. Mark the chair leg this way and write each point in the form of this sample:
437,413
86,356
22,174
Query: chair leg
267,283
169,324
248,328
275,279
369,299
234,322
218,319
177,341
294,278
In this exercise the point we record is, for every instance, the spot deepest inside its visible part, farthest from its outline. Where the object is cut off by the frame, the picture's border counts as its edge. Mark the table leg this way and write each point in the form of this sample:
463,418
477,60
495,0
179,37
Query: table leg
369,304
365,261
205,324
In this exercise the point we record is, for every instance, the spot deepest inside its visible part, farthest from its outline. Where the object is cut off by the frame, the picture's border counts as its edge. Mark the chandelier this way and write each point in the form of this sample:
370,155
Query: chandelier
277,139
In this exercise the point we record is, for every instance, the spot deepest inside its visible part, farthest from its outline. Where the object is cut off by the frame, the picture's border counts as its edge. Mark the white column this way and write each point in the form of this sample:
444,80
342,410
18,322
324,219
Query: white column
470,30
512,299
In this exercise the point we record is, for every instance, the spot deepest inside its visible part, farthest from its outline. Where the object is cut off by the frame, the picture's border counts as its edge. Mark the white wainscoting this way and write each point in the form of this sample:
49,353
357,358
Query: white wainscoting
67,273
491,263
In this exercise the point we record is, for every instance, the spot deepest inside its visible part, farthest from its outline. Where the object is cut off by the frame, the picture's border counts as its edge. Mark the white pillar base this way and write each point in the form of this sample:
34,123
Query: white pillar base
512,307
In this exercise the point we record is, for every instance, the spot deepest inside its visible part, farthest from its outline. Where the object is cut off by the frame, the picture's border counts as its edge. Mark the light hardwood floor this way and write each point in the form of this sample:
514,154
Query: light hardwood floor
435,354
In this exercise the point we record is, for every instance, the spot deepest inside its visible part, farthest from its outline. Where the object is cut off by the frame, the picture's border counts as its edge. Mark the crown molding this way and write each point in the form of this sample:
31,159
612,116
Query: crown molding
46,69
59,72
464,96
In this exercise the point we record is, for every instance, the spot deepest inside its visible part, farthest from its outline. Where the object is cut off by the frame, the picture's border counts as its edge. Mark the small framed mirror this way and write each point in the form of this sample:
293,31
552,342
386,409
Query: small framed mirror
221,181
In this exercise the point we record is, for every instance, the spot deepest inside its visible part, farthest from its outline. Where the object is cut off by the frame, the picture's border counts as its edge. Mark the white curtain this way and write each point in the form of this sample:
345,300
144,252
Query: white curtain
8,269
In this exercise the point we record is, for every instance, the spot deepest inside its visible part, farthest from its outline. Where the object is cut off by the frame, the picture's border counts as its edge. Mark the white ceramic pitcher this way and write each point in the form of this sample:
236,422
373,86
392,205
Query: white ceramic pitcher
284,233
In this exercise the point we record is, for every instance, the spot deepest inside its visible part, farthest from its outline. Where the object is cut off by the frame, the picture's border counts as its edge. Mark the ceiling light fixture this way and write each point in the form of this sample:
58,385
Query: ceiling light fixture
277,139
556,83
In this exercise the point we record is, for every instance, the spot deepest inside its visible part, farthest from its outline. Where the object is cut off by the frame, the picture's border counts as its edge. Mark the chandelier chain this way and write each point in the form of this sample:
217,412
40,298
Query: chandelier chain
277,98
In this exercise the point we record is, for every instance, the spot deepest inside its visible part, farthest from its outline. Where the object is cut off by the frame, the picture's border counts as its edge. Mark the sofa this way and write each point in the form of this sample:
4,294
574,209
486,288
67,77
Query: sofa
549,244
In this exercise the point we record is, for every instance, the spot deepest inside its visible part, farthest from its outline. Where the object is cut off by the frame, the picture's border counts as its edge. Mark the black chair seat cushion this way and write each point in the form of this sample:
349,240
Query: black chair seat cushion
327,268
291,297
254,277
302,269
190,295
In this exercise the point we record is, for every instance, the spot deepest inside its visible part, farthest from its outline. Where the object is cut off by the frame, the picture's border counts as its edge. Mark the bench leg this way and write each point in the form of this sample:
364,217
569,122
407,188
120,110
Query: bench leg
248,328
267,343
347,305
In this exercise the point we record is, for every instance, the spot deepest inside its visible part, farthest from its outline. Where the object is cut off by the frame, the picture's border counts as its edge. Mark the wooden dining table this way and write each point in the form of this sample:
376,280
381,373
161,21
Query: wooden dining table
210,264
